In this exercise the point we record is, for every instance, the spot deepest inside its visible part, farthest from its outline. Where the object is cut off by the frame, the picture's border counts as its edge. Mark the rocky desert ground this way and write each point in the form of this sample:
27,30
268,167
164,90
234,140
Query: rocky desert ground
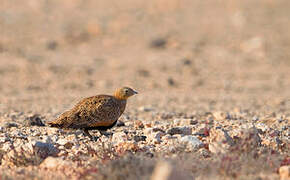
212,76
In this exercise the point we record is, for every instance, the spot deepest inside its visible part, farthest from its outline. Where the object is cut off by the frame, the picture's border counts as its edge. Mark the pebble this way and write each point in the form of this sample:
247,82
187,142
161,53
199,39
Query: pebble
180,130
53,162
193,143
119,137
145,109
284,172
139,138
33,120
3,138
44,149
10,125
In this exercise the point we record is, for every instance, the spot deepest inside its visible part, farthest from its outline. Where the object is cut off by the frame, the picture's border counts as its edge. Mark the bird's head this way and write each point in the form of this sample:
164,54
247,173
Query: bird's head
124,93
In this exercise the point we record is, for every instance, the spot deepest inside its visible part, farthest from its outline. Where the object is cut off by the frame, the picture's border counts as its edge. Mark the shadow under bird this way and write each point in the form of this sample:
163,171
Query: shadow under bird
99,112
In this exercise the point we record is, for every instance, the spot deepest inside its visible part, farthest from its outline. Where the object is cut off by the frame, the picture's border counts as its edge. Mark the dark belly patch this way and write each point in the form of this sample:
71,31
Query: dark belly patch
102,128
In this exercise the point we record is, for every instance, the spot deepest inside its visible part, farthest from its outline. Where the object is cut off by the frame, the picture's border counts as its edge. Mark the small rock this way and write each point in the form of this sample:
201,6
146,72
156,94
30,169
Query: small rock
145,109
138,124
34,120
158,43
218,115
52,162
193,143
119,137
148,125
51,45
45,149
18,134
10,125
4,138
193,122
171,81
186,61
162,171
148,131
139,138
126,146
284,172
180,130
64,142
158,129
166,171
143,72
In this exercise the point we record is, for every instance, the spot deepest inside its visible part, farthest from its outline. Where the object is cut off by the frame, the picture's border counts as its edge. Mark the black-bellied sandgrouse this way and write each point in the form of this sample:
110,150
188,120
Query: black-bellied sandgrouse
99,112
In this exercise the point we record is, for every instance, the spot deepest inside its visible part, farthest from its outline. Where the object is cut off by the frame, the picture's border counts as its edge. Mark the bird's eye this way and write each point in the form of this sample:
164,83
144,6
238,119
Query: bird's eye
126,91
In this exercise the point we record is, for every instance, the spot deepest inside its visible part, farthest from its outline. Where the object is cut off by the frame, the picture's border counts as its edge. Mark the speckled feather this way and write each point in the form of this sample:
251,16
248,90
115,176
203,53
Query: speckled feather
101,110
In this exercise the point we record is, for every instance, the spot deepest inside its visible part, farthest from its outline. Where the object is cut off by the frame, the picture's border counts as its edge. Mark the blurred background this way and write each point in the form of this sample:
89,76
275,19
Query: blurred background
177,54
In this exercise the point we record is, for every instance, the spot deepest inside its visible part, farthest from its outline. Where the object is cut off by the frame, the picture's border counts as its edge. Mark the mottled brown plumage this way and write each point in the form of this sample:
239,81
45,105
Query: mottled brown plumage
99,112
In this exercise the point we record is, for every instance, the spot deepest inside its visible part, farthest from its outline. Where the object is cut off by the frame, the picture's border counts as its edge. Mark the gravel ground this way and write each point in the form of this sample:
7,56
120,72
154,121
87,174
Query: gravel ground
213,83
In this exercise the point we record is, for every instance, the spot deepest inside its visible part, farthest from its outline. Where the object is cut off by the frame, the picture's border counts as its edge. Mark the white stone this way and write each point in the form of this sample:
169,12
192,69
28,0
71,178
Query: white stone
3,138
62,141
119,137
192,142
52,162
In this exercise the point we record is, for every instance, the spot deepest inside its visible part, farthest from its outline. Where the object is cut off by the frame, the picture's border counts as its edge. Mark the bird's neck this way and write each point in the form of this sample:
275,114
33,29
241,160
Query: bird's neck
120,97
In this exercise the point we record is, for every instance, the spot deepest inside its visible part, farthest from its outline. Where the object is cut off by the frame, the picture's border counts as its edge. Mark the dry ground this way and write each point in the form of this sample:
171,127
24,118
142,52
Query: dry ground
185,58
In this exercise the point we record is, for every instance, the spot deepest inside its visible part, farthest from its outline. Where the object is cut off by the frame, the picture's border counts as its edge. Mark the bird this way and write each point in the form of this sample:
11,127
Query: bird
100,112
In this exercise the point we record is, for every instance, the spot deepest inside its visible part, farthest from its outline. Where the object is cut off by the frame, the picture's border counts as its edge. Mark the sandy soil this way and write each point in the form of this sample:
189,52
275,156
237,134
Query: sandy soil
191,60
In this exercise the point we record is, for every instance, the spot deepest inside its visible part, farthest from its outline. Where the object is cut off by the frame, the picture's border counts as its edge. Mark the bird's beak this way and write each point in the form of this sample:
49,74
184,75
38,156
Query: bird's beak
135,92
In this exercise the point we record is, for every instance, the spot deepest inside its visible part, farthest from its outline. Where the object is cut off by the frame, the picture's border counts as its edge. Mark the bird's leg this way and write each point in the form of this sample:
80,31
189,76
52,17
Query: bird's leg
86,133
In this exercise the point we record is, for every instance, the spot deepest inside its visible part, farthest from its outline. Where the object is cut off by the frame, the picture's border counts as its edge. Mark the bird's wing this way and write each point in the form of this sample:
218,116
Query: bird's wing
94,111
